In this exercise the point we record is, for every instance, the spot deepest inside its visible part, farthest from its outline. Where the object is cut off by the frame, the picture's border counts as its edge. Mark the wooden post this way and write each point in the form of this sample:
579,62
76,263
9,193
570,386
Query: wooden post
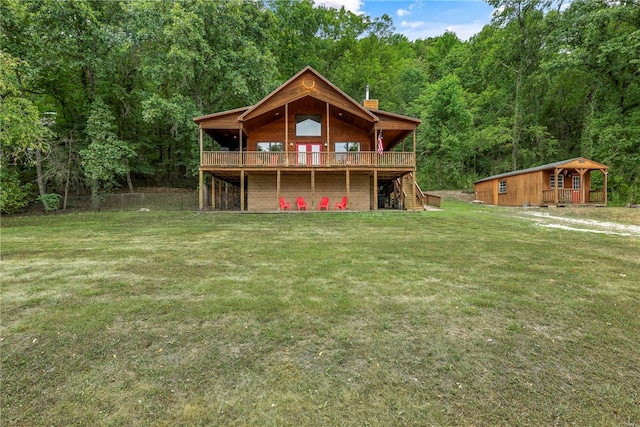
242,190
278,180
226,195
375,146
413,189
582,186
404,202
240,146
313,187
604,196
201,144
327,127
375,189
213,193
200,177
414,148
348,185
555,190
286,134
200,189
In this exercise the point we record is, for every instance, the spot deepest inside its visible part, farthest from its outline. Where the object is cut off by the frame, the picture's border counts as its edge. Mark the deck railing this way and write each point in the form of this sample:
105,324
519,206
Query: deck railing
319,160
569,196
596,196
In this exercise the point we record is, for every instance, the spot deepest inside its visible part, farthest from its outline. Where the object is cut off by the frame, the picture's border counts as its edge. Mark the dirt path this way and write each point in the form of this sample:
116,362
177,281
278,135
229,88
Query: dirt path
585,225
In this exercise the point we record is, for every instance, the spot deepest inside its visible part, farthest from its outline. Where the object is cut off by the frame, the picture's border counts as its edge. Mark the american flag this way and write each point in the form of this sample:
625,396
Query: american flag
380,146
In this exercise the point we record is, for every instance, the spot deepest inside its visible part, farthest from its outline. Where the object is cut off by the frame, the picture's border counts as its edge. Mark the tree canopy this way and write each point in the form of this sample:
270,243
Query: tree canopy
545,81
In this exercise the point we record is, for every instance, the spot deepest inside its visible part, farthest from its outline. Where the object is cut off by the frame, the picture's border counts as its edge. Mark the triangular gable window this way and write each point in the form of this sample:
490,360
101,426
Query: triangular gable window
308,125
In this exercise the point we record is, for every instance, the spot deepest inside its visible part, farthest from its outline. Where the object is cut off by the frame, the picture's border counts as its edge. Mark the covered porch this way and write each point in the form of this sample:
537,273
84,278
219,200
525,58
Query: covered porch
256,181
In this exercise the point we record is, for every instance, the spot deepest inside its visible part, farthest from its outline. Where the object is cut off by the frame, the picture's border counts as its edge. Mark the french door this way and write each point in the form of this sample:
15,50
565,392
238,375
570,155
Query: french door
575,196
309,154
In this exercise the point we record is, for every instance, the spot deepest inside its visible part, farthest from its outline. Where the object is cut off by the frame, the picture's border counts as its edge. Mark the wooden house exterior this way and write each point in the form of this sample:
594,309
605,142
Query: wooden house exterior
306,139
537,186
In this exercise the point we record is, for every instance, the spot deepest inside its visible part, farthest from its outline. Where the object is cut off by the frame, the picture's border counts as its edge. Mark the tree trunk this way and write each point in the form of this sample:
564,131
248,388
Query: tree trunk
129,182
95,197
42,187
517,121
66,184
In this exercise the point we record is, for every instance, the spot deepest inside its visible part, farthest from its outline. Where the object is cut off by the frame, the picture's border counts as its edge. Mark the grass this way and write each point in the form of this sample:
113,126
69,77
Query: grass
470,316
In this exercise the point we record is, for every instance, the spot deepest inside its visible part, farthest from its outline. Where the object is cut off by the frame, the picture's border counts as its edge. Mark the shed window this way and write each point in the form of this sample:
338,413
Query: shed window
552,181
502,187
308,125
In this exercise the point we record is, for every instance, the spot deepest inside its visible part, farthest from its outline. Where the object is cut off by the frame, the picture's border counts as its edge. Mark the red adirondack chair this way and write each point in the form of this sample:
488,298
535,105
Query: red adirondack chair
342,204
284,205
302,205
324,204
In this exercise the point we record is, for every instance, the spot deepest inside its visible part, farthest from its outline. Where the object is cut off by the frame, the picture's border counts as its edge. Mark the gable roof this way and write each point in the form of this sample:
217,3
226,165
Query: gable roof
216,117
289,91
302,91
563,163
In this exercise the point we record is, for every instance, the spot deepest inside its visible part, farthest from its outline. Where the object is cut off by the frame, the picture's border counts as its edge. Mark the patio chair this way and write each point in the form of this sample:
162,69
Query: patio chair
342,204
302,205
324,204
284,205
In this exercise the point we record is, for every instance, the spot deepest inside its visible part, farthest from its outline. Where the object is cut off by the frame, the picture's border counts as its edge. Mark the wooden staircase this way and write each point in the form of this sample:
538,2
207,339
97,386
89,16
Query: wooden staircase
421,200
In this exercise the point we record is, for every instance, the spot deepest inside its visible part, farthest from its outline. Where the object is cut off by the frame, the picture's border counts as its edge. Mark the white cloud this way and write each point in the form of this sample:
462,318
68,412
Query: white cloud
412,25
422,30
403,12
350,5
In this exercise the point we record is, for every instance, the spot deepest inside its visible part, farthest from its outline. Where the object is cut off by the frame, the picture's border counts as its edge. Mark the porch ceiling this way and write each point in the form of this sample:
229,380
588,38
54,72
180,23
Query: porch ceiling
233,175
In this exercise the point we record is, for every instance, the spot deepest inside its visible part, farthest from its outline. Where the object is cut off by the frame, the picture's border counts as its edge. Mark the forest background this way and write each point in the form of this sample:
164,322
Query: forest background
98,95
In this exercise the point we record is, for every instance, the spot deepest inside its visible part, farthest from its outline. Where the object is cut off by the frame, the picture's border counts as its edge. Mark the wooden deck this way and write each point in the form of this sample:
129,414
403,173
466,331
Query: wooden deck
229,165
572,197
217,159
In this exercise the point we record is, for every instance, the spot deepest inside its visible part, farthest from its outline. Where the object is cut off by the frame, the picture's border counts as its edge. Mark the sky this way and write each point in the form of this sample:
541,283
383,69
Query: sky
419,19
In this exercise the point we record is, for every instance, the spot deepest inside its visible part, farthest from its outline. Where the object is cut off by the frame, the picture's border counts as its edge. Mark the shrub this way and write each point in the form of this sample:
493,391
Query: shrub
14,195
50,201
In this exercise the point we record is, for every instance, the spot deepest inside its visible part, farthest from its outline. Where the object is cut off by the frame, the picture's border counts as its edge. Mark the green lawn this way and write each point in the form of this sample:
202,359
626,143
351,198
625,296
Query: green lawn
469,316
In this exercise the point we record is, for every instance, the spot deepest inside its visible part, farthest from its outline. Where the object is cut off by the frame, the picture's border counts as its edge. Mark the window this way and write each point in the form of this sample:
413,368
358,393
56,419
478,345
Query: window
346,147
343,147
270,146
307,125
552,181
502,187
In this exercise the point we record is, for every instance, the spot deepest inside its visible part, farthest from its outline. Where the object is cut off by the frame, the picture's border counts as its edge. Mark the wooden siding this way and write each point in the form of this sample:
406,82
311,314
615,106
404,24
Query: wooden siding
534,189
262,187
320,170
484,191
307,84
339,131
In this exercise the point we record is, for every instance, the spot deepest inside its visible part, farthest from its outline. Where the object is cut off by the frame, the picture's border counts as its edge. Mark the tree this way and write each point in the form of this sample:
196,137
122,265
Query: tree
598,42
22,133
104,159
444,149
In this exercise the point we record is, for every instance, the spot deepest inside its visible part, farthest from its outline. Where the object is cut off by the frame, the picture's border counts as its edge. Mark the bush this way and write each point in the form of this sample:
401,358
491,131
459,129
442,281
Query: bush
50,201
14,195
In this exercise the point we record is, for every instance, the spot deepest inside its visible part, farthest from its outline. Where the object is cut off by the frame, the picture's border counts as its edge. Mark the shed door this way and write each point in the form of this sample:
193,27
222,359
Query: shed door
575,195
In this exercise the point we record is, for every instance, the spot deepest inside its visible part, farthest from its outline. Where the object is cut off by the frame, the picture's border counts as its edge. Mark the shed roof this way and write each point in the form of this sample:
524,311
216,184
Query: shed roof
565,163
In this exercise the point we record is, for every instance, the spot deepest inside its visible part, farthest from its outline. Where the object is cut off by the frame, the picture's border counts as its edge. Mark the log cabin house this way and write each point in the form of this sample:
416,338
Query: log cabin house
537,186
308,139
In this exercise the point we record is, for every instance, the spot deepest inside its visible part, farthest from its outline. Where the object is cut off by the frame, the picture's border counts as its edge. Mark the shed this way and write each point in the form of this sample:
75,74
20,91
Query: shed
568,182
